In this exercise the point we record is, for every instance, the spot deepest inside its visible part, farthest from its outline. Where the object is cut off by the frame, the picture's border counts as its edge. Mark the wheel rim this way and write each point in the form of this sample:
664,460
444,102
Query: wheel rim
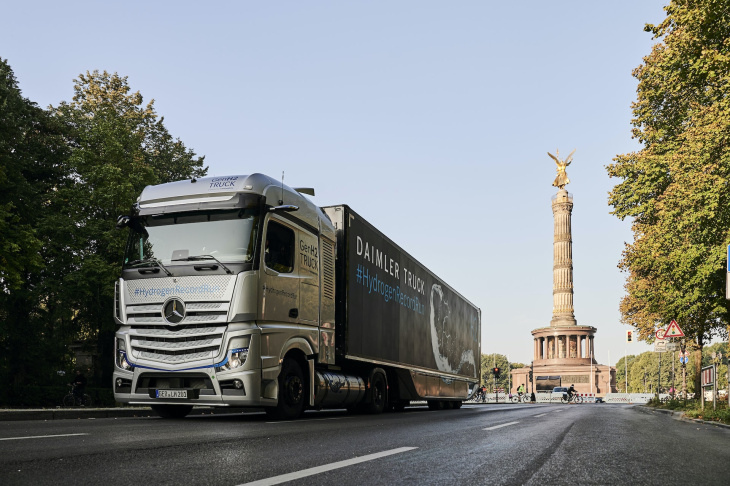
294,390
378,392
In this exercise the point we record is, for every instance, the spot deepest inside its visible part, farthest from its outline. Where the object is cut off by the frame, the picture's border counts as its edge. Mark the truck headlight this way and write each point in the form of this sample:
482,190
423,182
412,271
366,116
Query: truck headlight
237,354
236,359
121,356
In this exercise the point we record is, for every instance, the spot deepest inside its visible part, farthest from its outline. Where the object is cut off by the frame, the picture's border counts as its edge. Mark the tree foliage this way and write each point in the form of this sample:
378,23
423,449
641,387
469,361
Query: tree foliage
643,370
33,154
66,174
488,362
676,189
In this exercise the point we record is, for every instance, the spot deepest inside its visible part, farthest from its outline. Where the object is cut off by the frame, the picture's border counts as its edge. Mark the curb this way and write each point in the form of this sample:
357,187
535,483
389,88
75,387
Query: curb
99,413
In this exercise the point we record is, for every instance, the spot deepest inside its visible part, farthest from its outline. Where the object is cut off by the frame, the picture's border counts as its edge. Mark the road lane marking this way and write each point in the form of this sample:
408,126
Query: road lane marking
501,425
326,467
40,436
541,415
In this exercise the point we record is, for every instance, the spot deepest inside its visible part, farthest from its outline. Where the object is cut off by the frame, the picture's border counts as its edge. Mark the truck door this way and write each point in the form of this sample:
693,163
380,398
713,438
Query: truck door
308,260
279,290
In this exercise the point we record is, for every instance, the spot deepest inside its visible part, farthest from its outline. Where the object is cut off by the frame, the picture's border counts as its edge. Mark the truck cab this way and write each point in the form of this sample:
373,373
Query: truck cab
226,297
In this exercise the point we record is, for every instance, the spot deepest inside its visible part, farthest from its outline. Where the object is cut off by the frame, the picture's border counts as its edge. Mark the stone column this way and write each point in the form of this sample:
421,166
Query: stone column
563,315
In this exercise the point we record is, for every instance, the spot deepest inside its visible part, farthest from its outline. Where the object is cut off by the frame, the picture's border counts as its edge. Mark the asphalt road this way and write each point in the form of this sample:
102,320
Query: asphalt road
479,444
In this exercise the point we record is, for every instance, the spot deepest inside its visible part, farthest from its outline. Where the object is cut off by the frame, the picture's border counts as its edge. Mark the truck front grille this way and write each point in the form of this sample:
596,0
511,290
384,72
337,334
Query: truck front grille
176,345
196,312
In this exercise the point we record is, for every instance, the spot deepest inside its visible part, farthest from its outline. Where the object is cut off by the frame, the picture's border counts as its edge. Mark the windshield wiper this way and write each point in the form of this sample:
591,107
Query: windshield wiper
151,260
203,257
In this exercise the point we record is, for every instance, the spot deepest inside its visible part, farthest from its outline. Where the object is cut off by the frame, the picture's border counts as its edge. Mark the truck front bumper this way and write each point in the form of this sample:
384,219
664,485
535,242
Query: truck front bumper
203,387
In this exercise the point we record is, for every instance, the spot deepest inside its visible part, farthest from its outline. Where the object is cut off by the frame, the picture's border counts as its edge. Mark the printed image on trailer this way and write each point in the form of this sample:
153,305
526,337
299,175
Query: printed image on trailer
445,338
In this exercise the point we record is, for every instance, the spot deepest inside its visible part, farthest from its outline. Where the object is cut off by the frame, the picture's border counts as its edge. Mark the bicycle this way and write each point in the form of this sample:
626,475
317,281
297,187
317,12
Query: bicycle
517,398
73,400
571,399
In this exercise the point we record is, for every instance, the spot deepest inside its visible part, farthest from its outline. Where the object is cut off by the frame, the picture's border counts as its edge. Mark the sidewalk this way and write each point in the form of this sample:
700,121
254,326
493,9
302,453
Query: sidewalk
94,413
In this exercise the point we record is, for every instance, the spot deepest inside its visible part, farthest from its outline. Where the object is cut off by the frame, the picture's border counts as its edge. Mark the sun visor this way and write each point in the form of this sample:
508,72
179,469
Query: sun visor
186,204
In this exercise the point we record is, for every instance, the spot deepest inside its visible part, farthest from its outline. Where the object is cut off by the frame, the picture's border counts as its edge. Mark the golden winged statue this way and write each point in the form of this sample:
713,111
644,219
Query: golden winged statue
562,179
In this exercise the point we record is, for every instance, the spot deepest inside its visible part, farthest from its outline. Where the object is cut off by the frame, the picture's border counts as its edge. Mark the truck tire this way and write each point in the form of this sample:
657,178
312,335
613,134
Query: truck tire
378,394
457,404
172,411
292,392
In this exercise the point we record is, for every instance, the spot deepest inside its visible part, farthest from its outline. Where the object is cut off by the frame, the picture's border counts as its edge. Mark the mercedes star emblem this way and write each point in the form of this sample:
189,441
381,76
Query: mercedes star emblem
174,311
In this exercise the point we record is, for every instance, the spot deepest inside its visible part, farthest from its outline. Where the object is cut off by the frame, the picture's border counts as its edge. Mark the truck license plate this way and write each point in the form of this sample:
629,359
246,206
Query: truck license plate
171,394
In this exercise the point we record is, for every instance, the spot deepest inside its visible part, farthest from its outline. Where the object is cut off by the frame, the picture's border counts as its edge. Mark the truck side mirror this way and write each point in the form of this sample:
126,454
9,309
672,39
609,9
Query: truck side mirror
123,221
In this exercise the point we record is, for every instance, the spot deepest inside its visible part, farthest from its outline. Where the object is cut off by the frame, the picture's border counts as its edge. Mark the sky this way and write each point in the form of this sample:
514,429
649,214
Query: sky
431,119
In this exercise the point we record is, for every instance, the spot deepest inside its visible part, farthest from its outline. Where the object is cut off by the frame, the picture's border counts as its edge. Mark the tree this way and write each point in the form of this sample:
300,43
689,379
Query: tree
489,362
33,155
676,189
118,147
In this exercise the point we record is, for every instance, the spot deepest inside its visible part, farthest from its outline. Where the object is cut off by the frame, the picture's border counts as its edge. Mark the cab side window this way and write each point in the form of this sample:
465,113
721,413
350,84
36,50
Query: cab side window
280,247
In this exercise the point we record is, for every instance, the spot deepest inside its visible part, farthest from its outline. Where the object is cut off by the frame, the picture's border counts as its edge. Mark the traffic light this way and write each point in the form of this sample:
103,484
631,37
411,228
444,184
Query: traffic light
630,336
495,371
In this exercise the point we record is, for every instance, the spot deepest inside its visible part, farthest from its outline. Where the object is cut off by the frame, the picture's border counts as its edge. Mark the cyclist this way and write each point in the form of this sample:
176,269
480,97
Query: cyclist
571,391
520,391
79,385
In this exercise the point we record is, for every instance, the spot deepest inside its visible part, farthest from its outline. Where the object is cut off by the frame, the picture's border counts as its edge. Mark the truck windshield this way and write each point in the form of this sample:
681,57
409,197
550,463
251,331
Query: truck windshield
174,239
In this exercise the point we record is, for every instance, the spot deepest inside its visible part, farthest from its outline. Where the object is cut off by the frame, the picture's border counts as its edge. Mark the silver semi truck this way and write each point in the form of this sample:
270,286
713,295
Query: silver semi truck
240,292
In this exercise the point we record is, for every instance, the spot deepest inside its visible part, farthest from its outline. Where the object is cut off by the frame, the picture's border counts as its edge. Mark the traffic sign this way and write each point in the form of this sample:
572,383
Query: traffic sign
684,359
672,346
708,376
673,330
660,333
660,346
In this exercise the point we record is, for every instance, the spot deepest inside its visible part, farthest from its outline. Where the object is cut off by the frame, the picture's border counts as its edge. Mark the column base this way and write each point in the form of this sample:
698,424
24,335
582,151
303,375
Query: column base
561,321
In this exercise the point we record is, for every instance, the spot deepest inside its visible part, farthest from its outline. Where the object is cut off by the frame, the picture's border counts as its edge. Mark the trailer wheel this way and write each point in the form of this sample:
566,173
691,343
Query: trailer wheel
291,392
172,411
457,404
377,394
435,405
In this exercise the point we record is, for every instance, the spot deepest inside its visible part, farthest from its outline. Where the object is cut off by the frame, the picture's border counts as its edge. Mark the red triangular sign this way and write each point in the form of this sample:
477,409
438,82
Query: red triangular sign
673,330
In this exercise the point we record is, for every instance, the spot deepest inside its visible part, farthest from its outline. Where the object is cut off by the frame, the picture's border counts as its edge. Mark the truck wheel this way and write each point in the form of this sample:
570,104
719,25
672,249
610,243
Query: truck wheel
172,411
377,394
457,404
291,392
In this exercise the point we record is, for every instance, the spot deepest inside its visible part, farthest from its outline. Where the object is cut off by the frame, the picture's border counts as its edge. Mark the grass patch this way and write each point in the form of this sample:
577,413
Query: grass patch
693,409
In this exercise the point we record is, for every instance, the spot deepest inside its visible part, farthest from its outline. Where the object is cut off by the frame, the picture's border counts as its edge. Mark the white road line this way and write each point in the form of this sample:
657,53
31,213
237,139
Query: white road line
306,420
40,436
501,425
327,467
541,415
